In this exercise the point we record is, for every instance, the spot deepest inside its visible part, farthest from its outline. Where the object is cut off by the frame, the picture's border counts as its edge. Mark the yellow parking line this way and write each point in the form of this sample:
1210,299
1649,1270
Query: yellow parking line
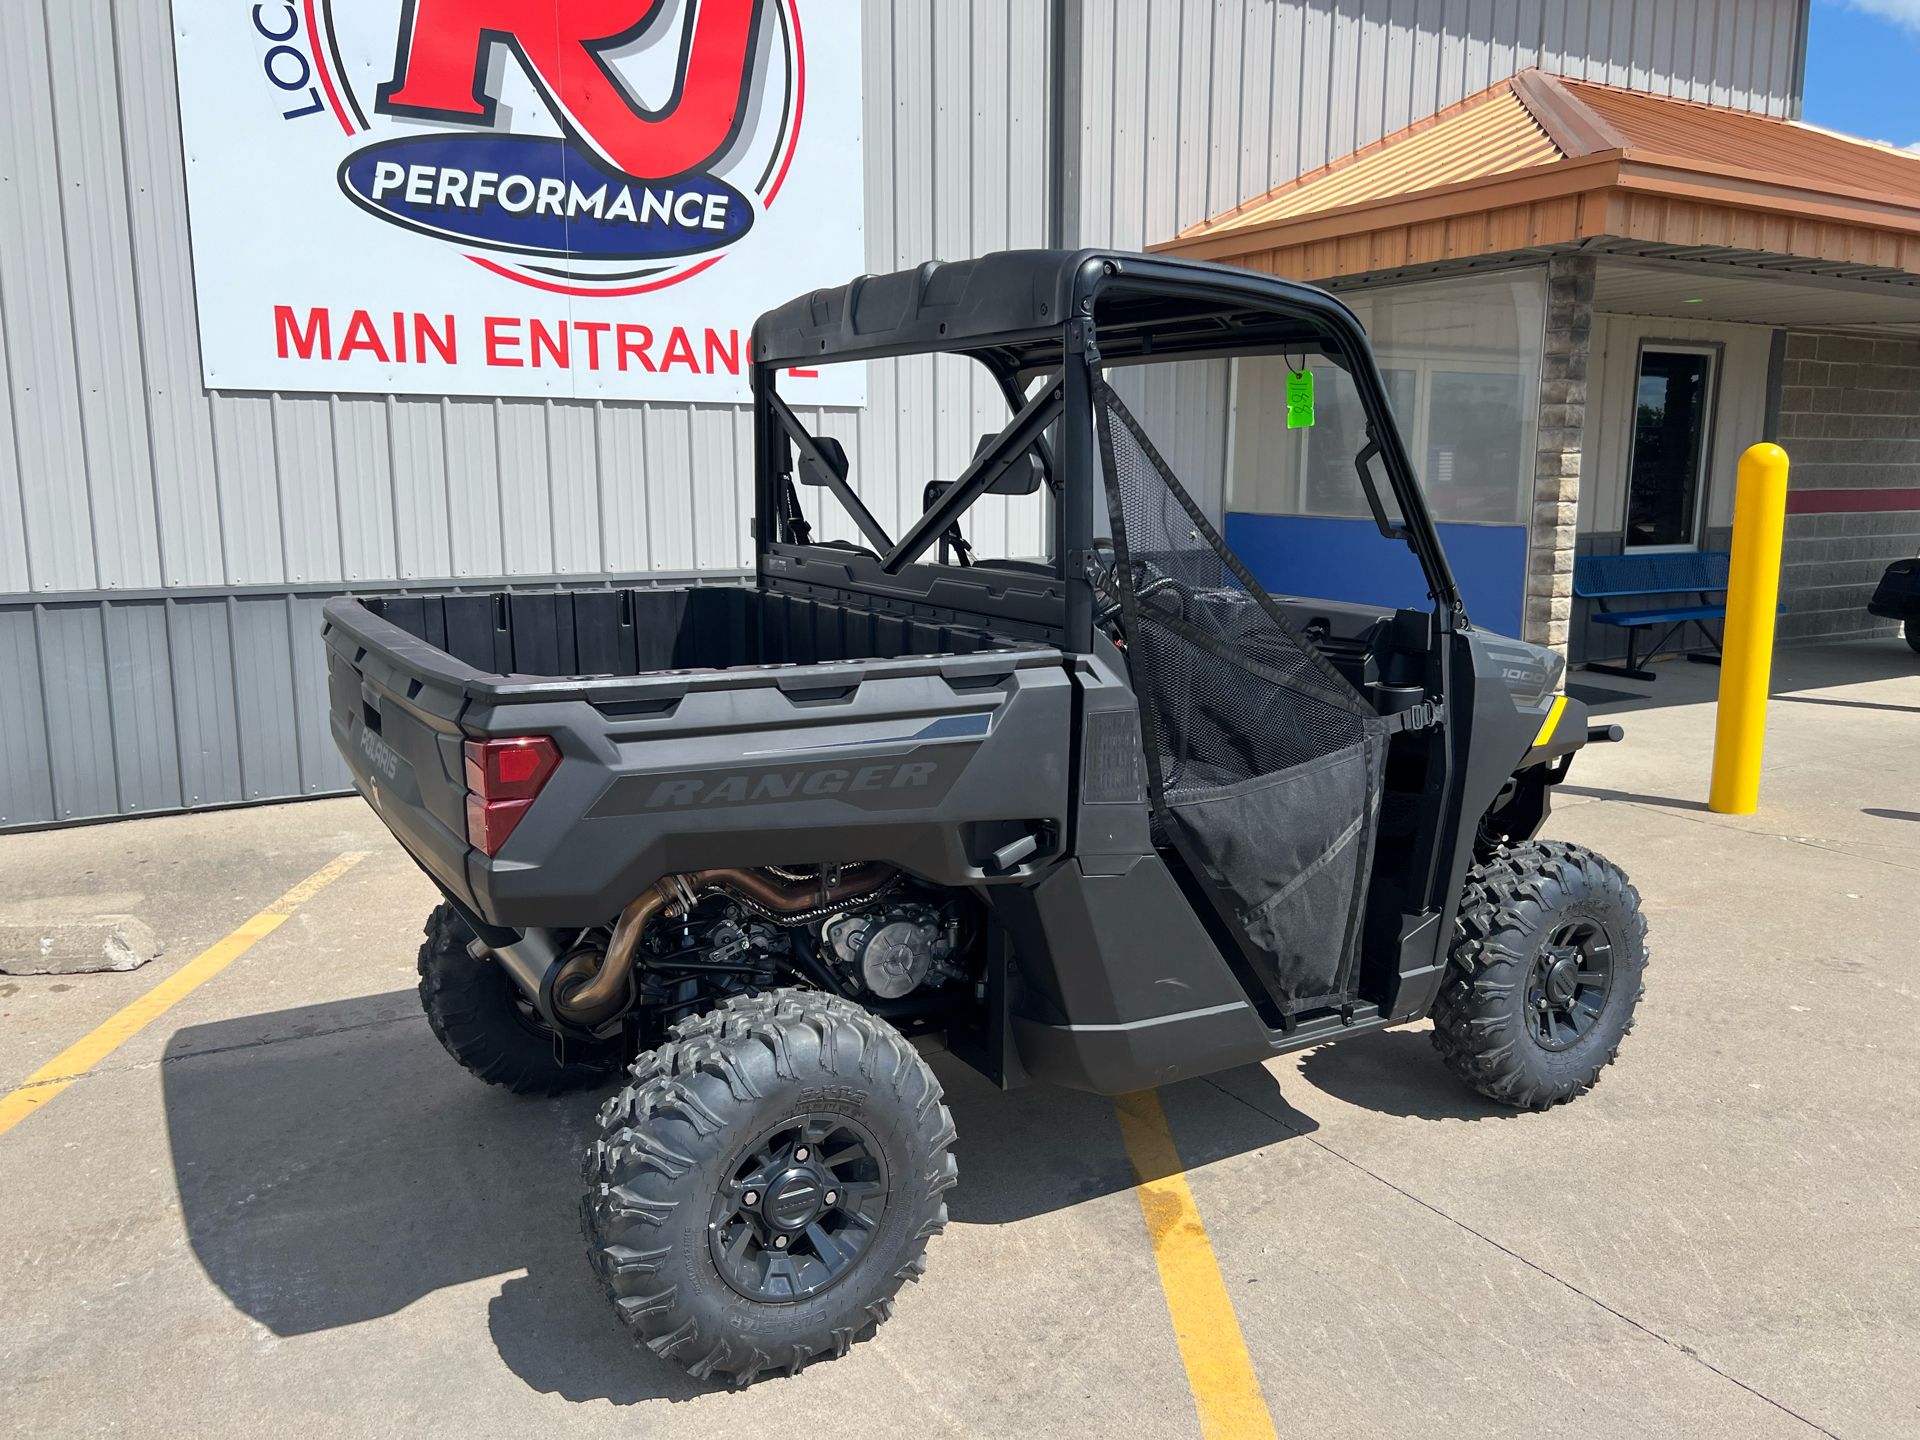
81,1056
1219,1371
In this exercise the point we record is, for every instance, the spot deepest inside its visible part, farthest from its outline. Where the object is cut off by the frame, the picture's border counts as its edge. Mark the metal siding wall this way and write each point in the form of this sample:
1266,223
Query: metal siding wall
26,780
1172,135
37,312
146,745
205,712
118,471
79,724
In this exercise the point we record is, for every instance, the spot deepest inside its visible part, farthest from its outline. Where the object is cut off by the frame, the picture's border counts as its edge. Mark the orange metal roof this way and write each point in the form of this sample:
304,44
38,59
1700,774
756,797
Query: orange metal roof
1538,160
1467,143
1724,141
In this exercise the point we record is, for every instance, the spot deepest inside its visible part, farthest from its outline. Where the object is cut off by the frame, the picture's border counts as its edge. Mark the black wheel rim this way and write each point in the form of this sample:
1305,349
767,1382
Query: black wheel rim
1567,990
798,1208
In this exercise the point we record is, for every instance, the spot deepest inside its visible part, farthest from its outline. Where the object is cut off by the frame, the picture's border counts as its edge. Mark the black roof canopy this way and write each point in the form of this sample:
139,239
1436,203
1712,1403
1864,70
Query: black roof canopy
1009,307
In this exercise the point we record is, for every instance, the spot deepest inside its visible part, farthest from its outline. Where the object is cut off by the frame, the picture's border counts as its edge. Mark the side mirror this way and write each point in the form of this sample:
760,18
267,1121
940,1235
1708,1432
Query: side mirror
1022,475
835,453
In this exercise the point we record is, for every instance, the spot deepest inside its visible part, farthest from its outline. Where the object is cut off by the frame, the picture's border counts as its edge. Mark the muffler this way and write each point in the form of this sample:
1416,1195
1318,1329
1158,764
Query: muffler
528,960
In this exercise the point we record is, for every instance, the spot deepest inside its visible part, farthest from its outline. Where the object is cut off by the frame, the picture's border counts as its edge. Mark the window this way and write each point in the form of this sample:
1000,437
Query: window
958,407
1672,405
1461,361
1338,434
1475,423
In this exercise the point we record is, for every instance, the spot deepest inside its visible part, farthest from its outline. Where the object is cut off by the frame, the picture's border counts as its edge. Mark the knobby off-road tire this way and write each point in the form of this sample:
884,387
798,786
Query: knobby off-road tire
1548,954
699,1168
479,1015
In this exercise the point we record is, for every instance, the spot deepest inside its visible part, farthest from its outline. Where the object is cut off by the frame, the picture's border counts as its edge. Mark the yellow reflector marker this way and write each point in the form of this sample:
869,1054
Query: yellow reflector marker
1226,1392
70,1064
1553,718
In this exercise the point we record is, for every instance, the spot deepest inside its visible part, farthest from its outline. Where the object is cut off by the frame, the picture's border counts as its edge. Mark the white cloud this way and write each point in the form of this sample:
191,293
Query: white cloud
1901,12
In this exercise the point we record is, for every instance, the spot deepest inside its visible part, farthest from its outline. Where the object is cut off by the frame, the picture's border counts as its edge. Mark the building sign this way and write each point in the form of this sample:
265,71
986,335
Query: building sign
516,197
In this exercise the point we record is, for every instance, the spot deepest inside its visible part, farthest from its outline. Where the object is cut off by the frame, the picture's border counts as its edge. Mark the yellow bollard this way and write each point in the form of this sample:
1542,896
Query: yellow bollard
1753,597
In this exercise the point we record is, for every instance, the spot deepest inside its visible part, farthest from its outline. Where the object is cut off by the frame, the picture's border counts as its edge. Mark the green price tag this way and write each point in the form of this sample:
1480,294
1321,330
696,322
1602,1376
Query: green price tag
1299,399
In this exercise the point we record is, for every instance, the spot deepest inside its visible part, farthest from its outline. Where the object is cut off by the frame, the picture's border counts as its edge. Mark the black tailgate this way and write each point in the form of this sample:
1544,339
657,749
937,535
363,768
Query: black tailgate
394,703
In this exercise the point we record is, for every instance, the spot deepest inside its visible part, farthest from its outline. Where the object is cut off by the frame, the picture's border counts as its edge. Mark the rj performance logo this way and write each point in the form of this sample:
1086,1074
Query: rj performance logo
600,147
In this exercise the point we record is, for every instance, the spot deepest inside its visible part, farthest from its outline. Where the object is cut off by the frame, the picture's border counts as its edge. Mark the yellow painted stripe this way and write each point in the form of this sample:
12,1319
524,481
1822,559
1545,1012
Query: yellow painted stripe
1553,719
73,1062
1220,1372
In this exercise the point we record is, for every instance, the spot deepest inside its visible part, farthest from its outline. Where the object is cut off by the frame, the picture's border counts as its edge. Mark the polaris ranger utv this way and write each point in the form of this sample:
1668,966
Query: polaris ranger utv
1105,819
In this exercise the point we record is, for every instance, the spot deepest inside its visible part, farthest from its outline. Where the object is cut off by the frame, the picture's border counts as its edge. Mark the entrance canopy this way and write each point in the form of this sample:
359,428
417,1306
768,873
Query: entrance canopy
1545,165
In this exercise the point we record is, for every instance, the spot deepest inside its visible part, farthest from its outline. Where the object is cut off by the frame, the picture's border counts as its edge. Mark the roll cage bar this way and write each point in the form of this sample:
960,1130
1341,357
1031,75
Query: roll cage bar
1043,323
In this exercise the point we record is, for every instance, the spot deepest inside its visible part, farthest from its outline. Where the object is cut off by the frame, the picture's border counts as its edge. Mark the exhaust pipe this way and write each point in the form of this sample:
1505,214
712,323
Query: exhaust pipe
592,996
527,959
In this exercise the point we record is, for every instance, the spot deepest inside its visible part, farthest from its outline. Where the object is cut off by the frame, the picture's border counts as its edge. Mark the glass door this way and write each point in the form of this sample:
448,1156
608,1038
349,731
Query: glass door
1667,462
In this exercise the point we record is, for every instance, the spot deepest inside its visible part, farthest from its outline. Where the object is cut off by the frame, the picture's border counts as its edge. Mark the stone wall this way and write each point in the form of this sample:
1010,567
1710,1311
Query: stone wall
1850,423
1556,474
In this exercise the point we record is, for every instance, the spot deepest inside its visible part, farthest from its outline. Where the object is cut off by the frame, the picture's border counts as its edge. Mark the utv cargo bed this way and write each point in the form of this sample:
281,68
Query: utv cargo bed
704,720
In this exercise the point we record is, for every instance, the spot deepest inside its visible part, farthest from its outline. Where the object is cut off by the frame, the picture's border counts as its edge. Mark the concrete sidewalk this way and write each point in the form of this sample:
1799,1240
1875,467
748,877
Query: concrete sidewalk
281,1205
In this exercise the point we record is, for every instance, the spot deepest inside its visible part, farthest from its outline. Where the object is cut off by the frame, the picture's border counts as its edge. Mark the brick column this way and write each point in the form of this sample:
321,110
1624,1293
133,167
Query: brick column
1556,467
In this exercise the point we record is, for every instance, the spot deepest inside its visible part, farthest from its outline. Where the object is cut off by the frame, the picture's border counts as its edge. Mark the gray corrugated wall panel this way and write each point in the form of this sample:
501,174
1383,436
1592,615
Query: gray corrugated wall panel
73,666
526,489
720,482
14,576
621,440
363,467
304,466
419,460
245,466
573,463
202,650
322,771
146,745
179,414
35,307
26,780
93,192
264,718
666,461
473,486
1317,79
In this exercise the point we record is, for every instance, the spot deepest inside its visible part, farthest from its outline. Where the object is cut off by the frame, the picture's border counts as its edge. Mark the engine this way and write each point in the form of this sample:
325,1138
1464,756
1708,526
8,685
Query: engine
894,948
865,931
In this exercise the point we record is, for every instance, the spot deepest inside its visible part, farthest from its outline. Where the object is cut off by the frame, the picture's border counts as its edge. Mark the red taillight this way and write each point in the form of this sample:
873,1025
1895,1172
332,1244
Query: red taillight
503,776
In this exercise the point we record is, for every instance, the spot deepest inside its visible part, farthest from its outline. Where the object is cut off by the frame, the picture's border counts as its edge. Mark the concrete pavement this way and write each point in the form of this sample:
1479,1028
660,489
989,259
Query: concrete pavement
282,1205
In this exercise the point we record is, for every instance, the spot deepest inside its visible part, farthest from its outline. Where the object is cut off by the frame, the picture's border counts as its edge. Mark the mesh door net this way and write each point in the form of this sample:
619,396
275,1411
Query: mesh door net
1264,764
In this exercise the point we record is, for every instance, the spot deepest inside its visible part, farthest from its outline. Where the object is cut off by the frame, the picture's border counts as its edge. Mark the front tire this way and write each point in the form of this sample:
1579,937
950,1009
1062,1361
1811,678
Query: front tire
485,1023
1911,629
767,1183
1548,955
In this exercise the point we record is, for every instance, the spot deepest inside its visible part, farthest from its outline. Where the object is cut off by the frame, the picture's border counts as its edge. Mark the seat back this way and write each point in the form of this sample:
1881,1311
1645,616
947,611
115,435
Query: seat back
1680,572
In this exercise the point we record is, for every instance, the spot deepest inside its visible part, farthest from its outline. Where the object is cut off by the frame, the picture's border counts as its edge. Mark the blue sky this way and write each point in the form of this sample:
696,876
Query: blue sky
1863,68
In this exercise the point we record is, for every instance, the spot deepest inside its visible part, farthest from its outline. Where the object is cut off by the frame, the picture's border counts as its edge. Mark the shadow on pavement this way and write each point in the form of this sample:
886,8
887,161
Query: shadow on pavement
1881,814
1795,668
344,1177
1631,796
1851,704
1396,1072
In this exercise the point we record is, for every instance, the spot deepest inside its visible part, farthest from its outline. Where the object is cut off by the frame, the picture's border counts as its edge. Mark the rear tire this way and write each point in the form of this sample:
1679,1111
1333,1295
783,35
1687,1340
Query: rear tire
480,1016
1548,954
1911,629
767,1183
